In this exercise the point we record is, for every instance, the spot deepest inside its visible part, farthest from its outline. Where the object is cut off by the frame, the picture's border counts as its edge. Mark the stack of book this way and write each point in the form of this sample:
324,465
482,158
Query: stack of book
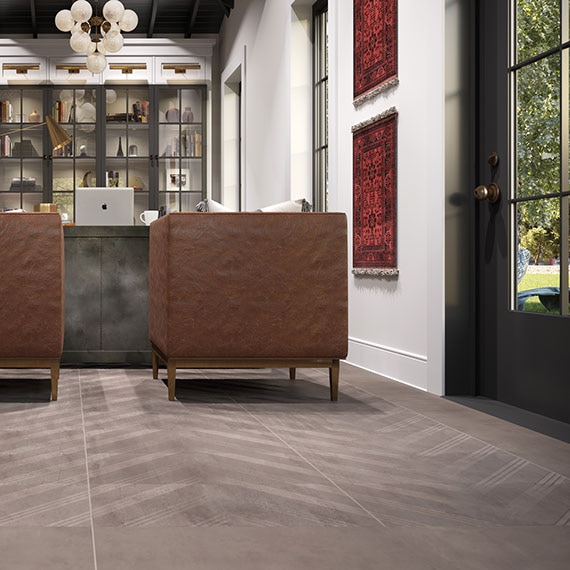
23,185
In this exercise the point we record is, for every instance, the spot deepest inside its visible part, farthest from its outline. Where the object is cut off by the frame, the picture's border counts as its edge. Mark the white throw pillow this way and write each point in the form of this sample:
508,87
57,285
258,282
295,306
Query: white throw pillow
209,205
290,206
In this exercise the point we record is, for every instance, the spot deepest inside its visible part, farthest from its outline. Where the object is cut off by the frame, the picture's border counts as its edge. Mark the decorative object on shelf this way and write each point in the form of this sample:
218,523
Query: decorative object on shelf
24,185
85,181
375,48
34,117
82,151
120,149
24,149
113,179
59,138
45,207
188,115
133,150
136,182
374,195
173,115
177,179
110,96
96,35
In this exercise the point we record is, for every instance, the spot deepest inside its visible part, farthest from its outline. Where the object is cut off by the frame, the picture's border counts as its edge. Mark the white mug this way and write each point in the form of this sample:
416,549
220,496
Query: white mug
148,216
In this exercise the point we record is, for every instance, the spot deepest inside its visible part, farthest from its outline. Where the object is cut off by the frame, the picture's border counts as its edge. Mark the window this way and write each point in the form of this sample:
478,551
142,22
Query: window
320,106
540,148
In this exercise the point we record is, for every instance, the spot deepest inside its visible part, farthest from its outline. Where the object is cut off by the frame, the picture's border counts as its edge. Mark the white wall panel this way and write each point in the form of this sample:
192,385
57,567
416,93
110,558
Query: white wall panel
395,325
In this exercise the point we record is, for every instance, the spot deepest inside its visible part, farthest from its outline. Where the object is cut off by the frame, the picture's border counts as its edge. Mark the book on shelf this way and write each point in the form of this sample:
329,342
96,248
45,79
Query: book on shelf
191,143
140,112
119,117
60,111
66,151
145,110
5,145
6,111
24,185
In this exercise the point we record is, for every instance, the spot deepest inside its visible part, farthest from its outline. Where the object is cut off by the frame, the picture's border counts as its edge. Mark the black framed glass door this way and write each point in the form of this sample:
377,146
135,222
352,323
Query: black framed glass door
523,165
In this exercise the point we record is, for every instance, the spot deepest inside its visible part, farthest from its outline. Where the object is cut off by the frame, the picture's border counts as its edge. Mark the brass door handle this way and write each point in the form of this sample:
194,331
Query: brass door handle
490,193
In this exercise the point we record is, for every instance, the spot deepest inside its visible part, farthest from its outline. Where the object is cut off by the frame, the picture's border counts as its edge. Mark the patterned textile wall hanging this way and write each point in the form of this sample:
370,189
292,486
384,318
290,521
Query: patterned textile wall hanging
375,47
374,195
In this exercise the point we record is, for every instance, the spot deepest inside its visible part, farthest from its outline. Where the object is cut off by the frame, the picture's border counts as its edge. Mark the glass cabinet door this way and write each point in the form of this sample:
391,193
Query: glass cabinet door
127,156
181,152
152,139
22,139
74,166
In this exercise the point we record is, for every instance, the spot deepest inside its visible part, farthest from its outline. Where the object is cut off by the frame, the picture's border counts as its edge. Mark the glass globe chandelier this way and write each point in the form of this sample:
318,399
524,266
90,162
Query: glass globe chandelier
96,35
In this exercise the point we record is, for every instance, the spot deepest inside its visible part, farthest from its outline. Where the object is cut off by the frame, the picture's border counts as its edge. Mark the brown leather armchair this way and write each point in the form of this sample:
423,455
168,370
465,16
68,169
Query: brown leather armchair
246,290
31,292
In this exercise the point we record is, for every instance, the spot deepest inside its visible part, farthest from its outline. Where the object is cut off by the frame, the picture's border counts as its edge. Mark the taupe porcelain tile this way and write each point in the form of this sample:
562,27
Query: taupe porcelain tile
333,549
62,503
248,469
46,549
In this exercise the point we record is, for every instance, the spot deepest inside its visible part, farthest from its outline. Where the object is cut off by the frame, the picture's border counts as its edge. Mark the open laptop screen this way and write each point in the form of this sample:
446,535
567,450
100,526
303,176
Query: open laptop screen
104,207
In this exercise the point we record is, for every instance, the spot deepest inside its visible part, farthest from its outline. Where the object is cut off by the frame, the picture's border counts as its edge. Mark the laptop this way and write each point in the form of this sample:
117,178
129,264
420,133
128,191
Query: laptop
104,206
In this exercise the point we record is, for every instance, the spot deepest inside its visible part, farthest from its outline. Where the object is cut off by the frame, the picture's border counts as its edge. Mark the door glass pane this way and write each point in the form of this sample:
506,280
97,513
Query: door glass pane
565,263
538,128
538,27
538,256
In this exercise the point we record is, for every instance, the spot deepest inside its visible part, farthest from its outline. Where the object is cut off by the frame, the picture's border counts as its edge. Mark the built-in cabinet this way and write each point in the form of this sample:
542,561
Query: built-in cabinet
152,138
143,123
24,176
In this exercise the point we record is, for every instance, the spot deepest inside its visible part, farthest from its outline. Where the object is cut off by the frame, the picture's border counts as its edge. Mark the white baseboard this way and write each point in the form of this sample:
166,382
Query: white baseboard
399,365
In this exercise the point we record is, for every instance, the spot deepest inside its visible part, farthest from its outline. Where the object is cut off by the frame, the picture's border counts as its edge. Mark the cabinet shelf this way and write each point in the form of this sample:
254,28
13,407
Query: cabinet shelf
112,125
153,149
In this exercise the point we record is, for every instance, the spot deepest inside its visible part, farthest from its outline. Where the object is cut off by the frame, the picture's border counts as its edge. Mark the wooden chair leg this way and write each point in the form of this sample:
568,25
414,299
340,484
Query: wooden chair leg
292,372
54,379
334,371
154,365
171,368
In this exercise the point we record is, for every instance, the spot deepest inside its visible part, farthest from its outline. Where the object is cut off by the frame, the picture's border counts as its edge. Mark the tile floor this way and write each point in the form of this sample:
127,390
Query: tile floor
249,470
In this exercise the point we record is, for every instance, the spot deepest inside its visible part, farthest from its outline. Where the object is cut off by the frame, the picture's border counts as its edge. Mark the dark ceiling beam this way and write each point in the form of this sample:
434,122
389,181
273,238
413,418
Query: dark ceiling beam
224,7
152,19
34,18
195,5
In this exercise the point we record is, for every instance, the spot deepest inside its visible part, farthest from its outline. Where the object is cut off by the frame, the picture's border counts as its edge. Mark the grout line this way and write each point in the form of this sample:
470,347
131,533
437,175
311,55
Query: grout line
312,465
87,474
458,430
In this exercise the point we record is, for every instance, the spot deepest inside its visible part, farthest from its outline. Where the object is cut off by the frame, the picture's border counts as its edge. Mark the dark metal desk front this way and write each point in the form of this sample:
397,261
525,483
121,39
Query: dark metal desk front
106,296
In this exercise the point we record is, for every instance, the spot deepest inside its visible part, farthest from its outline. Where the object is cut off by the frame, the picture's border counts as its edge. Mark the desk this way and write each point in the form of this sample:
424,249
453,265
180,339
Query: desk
106,296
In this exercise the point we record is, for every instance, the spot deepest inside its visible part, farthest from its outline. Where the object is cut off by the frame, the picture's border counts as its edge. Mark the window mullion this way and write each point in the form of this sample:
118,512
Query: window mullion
564,157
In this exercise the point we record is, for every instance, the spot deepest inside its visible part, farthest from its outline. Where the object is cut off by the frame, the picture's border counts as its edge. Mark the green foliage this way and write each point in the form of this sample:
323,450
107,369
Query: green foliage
538,137
538,126
542,244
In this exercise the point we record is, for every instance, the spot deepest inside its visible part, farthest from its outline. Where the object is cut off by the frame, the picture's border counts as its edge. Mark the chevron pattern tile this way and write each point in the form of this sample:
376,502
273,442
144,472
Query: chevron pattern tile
250,449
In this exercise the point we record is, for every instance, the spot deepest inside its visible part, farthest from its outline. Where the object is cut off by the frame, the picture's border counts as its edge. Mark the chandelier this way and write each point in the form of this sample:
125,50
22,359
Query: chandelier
96,35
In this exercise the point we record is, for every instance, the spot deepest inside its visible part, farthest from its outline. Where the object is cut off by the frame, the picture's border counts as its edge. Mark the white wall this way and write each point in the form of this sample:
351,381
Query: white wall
263,29
395,325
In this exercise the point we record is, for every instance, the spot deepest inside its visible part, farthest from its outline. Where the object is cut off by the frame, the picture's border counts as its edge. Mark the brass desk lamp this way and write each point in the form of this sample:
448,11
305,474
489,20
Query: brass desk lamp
57,134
